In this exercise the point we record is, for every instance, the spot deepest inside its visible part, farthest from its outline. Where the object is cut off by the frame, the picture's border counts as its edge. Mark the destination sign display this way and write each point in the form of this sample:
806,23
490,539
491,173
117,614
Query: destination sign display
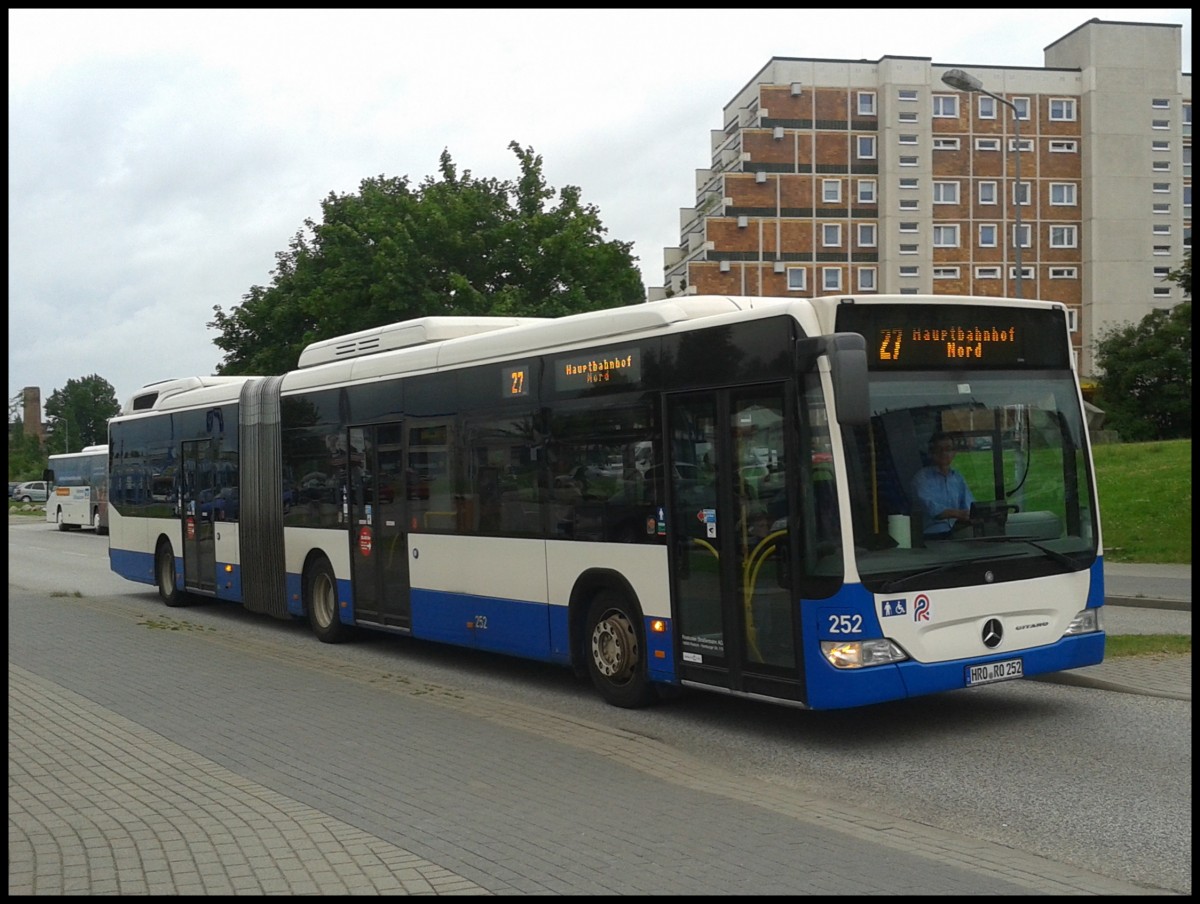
597,369
931,335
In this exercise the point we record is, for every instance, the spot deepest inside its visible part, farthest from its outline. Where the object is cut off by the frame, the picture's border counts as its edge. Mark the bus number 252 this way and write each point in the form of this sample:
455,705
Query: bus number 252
845,624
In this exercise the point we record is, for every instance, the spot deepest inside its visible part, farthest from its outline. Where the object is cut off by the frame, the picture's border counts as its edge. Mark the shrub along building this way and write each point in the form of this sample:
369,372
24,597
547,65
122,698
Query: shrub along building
843,176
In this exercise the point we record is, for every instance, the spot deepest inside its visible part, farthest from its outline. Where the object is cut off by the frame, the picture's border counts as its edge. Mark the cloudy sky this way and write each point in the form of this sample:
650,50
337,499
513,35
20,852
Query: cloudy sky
158,160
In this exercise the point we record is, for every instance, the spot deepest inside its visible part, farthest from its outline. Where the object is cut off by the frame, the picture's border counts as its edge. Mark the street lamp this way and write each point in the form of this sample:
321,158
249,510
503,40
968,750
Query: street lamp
964,81
66,433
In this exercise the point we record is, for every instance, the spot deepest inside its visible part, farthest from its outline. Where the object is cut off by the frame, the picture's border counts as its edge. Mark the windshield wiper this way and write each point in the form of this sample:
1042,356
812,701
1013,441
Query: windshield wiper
1061,558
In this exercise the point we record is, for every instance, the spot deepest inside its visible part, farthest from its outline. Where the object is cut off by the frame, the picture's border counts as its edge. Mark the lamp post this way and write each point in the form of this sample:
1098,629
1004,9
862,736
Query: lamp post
66,434
964,81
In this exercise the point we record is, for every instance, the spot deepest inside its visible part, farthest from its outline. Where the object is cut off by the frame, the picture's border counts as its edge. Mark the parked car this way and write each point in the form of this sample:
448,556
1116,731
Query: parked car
33,491
12,485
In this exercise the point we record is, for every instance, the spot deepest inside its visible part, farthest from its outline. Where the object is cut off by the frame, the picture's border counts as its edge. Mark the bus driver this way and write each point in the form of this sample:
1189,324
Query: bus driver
942,491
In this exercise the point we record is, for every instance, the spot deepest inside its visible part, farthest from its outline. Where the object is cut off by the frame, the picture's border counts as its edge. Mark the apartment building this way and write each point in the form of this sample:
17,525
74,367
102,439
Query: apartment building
844,176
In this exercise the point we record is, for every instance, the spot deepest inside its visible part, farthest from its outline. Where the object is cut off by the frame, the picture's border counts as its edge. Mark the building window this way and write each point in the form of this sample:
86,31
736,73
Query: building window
1063,236
1064,273
1162,291
1160,166
1160,124
1026,272
910,270
797,279
1026,145
1026,235
1063,194
910,203
1162,187
866,191
1162,272
906,94
946,273
866,103
1022,106
909,183
831,235
987,272
865,147
945,192
904,290
908,116
907,139
866,279
1165,208
988,233
1160,229
945,236
1160,145
1160,103
1072,320
1062,109
831,191
1064,147
987,107
1021,193
945,144
831,279
987,144
908,249
945,106
908,226
1162,249
908,161
986,192
867,235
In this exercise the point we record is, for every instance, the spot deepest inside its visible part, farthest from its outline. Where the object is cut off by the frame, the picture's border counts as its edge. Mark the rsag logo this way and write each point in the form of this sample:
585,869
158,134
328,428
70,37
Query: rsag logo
921,608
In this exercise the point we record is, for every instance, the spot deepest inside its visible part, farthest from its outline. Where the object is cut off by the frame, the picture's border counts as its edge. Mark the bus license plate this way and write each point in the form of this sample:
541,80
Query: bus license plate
994,671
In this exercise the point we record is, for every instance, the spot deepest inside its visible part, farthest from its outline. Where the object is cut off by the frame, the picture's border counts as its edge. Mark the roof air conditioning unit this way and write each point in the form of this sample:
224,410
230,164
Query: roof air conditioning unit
778,132
743,222
797,89
725,265
760,177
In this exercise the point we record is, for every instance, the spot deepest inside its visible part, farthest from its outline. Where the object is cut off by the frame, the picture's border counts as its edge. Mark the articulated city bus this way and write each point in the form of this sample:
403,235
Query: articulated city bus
706,492
77,494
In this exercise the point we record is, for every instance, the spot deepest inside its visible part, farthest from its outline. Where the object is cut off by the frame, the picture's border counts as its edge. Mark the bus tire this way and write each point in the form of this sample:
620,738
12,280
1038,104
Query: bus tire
164,574
96,521
59,521
615,651
321,603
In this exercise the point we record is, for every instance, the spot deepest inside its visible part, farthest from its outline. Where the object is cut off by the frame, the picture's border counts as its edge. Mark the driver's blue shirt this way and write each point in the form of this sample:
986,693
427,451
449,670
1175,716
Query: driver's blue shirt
938,492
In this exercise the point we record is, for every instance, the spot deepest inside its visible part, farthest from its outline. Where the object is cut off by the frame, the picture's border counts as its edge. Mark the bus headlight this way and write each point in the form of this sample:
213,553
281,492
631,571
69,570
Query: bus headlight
1085,622
856,654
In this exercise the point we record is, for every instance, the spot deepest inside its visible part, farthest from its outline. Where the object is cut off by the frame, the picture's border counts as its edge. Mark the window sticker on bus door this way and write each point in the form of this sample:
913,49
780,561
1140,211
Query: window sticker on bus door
708,517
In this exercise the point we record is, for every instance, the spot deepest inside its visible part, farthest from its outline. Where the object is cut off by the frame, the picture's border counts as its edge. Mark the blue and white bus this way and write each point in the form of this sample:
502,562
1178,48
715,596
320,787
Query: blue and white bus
704,492
77,489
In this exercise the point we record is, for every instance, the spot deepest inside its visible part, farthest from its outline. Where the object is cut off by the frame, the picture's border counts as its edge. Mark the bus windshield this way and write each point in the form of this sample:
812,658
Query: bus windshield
956,470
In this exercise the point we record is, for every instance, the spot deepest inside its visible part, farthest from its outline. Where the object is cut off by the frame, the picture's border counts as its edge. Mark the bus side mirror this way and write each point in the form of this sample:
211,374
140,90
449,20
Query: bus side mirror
48,475
847,354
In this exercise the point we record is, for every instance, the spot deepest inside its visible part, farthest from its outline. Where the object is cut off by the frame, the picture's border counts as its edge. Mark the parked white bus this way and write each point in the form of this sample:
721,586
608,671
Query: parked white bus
78,489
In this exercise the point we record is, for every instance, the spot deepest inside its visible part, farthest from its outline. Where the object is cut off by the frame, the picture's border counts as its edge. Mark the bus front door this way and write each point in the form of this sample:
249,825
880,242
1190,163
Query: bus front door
379,541
728,532
199,497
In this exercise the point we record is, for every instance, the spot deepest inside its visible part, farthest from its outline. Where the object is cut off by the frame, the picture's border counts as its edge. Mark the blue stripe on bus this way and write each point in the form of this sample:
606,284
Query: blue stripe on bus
515,627
133,566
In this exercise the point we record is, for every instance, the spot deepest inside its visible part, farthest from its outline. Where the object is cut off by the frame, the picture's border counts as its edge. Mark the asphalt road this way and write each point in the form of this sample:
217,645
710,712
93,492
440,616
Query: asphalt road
513,778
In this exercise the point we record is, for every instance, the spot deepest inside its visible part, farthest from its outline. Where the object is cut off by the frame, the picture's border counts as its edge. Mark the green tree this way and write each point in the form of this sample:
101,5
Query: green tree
1183,276
455,245
1146,386
80,412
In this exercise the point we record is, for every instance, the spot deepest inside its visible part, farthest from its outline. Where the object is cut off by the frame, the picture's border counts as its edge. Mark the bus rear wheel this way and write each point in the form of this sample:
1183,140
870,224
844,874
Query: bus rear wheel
615,652
164,572
62,525
321,602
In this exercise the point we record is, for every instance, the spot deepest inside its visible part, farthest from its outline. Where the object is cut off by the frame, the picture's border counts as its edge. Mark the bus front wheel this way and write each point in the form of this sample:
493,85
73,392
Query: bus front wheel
164,570
615,651
321,601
